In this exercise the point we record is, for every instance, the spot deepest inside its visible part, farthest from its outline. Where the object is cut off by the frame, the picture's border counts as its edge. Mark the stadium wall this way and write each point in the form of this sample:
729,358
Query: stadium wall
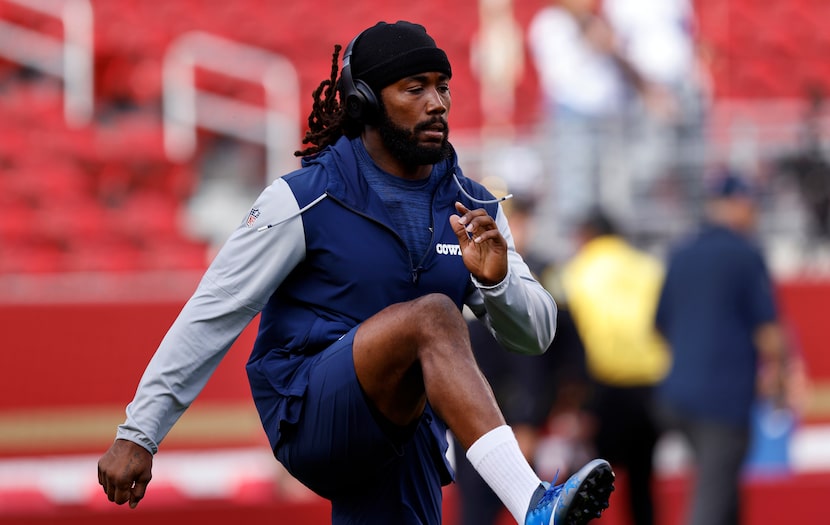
92,354
70,368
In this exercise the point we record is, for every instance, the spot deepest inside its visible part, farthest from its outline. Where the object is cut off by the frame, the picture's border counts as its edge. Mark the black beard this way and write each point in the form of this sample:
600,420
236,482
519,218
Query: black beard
403,144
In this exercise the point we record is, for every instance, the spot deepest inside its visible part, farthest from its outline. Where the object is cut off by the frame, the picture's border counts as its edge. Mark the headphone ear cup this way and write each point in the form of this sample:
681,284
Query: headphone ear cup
353,101
362,103
357,97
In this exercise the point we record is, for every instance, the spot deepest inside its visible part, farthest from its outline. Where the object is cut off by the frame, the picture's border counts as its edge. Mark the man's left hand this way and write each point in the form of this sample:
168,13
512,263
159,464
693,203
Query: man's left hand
483,247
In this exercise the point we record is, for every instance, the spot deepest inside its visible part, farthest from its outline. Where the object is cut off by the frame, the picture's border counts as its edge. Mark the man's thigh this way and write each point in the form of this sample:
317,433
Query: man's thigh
337,437
341,443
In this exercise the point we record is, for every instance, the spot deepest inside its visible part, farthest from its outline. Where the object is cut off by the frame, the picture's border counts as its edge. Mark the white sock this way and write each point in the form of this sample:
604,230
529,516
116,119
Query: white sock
499,461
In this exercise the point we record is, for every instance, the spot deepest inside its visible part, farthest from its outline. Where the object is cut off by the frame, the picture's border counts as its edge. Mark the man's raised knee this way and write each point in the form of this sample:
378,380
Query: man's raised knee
439,309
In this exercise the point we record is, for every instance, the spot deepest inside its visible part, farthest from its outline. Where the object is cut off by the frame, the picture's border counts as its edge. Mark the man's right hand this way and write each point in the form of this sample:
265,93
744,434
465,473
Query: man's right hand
124,472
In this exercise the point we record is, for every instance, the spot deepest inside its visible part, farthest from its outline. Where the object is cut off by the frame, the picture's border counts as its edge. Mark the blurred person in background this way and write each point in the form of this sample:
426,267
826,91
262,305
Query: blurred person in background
666,150
810,168
718,313
584,96
611,289
588,85
360,263
529,389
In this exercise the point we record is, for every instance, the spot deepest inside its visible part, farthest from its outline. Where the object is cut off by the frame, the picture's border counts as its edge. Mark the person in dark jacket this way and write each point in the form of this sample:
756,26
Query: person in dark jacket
359,263
718,313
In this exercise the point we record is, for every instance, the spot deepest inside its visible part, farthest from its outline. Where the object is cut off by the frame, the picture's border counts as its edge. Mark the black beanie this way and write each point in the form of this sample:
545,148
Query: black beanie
386,53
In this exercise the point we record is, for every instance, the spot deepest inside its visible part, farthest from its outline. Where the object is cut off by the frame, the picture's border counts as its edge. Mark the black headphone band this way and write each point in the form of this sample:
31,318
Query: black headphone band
357,97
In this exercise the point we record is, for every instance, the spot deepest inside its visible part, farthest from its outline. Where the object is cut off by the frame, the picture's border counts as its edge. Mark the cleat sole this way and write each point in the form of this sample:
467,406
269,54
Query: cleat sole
592,497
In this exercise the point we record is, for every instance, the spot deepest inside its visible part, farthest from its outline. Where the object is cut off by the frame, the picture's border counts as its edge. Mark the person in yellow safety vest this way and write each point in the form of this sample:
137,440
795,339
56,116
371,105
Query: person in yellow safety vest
612,289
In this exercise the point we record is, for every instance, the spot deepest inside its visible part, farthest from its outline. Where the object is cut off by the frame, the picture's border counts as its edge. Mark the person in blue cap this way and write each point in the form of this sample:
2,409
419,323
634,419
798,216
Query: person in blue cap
359,264
717,311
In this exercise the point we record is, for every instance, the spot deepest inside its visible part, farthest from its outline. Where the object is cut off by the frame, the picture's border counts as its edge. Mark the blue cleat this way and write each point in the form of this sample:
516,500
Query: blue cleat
577,501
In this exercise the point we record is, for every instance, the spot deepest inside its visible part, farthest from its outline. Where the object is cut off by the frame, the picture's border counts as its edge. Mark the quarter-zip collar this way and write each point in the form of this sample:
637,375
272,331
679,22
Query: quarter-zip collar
345,184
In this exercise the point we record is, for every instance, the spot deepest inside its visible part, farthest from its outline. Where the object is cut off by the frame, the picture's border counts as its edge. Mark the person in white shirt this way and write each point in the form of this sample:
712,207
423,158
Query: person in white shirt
658,38
585,94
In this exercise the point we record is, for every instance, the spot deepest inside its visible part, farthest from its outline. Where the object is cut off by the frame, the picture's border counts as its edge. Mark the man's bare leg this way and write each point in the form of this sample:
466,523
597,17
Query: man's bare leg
419,351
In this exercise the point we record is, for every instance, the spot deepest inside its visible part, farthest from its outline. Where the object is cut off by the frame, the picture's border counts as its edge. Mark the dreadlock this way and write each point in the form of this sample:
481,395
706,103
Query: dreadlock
327,121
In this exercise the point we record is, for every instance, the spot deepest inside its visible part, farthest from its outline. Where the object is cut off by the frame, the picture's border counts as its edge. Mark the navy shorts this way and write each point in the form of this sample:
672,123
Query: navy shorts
339,448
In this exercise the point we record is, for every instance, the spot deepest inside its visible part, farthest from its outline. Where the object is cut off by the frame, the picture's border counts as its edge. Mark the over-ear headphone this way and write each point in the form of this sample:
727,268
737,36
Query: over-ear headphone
357,97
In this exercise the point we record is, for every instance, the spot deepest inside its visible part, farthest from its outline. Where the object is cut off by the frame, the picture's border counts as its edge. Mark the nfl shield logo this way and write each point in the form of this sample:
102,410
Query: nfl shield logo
252,217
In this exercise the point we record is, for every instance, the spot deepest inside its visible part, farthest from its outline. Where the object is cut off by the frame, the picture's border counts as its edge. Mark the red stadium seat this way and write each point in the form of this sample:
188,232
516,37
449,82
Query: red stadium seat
31,258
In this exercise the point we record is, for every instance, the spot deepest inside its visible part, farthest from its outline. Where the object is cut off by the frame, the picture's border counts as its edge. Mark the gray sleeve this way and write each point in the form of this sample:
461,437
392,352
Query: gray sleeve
235,288
519,312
